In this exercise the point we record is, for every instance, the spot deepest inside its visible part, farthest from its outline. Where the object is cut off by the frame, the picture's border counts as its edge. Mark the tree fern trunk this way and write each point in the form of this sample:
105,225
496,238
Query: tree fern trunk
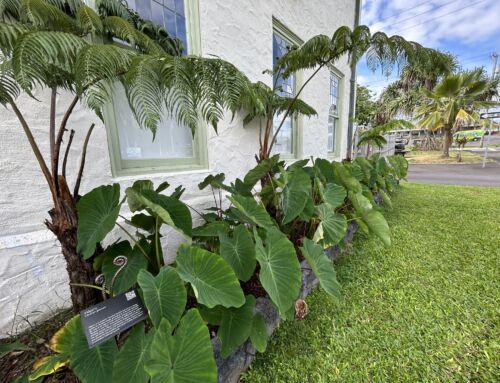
63,224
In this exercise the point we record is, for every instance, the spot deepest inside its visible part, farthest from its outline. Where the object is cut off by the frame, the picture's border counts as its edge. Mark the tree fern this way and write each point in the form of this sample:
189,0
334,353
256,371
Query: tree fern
9,90
10,9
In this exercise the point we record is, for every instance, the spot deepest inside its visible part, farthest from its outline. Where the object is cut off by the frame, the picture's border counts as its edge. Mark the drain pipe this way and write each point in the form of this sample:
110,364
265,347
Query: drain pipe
352,95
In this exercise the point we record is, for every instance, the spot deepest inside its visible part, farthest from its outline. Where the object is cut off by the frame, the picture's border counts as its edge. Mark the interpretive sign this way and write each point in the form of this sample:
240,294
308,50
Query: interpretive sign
109,318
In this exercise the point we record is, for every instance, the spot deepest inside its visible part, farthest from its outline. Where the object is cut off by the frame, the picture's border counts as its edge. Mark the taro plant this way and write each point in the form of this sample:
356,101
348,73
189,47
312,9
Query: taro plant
67,46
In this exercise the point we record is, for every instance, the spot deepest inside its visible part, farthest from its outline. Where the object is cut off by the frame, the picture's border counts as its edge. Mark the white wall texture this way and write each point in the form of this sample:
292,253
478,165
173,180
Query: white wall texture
33,282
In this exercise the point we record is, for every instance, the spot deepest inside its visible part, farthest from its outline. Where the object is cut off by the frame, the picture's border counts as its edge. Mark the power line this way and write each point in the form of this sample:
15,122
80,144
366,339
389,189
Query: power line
405,10
438,17
423,13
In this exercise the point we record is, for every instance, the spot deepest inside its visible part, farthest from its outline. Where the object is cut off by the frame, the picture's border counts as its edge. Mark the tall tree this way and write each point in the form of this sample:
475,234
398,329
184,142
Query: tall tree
68,46
453,102
366,108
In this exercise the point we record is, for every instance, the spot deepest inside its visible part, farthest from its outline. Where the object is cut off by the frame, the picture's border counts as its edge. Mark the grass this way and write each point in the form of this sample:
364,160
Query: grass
427,309
435,157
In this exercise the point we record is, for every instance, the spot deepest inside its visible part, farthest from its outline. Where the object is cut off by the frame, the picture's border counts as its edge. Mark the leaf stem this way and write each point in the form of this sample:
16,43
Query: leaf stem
136,243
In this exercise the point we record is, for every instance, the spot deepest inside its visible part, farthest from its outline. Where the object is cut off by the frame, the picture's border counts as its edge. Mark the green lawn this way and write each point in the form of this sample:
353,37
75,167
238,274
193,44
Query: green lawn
425,310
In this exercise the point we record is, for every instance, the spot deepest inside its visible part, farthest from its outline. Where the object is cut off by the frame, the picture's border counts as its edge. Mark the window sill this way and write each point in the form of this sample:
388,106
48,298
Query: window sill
159,172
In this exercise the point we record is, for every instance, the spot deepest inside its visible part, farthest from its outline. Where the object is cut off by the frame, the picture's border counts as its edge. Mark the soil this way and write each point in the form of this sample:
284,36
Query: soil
18,363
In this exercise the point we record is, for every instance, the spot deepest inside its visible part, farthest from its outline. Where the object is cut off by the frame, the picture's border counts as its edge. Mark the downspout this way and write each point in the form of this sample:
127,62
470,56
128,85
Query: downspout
352,95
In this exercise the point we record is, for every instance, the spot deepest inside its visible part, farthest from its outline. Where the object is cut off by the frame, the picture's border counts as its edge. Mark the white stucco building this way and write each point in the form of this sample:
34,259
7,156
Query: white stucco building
33,280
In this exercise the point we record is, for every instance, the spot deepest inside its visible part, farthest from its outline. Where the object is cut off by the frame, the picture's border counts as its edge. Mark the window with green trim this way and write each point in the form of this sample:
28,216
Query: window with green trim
286,139
133,150
333,114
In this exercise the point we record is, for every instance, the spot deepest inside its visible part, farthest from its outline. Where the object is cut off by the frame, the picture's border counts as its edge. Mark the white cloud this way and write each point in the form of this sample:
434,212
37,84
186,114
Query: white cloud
434,22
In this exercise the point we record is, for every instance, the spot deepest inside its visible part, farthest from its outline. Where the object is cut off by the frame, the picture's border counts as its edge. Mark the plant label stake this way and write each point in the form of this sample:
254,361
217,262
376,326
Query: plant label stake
111,317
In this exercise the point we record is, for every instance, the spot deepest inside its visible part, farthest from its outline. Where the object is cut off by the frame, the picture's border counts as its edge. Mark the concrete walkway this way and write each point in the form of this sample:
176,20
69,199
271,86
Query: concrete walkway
456,174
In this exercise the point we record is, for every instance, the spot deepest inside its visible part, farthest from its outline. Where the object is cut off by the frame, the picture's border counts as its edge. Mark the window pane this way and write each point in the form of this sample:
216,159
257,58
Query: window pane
285,88
334,93
168,13
332,128
171,141
284,140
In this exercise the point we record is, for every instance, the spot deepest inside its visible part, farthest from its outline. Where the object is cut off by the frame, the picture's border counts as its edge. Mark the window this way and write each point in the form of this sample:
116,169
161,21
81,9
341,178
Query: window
333,115
169,13
283,40
133,150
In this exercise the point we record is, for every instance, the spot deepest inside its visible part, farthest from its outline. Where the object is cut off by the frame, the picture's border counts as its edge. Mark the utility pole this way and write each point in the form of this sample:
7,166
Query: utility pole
494,56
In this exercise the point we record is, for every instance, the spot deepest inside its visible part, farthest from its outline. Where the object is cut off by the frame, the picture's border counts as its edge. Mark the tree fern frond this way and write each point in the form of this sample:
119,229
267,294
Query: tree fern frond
8,85
88,20
9,34
313,52
10,8
70,7
120,28
45,16
45,58
142,84
113,8
298,107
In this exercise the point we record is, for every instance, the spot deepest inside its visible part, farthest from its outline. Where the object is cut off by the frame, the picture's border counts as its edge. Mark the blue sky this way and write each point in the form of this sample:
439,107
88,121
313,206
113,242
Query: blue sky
470,29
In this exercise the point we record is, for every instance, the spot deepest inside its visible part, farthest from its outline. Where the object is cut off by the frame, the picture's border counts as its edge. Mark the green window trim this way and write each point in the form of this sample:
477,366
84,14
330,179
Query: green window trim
283,31
337,139
199,161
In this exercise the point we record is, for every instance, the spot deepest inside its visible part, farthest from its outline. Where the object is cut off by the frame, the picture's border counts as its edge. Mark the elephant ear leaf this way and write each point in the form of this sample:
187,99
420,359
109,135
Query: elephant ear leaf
129,364
212,279
187,356
296,194
171,211
252,211
258,335
332,226
321,266
378,225
89,365
97,214
164,295
239,252
279,269
236,326
333,194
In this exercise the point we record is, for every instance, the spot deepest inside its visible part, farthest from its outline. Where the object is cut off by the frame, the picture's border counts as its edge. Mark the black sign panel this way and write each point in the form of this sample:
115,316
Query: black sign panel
109,318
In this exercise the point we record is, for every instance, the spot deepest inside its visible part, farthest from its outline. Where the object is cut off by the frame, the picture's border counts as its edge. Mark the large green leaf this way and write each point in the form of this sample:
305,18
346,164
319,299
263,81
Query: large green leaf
295,194
344,177
321,266
128,275
252,211
378,225
324,169
129,364
332,226
385,198
212,279
97,214
279,268
211,229
185,357
164,295
89,365
263,167
258,335
235,326
134,201
360,203
333,194
239,252
171,211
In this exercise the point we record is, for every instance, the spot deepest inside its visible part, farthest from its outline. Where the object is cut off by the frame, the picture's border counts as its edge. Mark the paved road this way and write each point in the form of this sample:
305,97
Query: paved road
456,174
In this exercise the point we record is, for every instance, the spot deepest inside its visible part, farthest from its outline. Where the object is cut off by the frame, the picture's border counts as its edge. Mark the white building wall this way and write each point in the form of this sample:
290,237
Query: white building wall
33,280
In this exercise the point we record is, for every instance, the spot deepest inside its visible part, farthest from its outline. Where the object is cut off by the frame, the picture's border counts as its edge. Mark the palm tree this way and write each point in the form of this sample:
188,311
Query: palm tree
375,136
68,46
454,102
403,95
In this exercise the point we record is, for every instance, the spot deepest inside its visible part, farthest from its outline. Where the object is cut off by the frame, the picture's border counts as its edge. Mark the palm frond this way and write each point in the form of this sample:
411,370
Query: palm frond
10,9
9,34
296,107
9,90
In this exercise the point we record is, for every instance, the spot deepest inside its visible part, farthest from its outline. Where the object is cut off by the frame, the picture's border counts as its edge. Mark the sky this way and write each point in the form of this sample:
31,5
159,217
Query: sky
469,29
